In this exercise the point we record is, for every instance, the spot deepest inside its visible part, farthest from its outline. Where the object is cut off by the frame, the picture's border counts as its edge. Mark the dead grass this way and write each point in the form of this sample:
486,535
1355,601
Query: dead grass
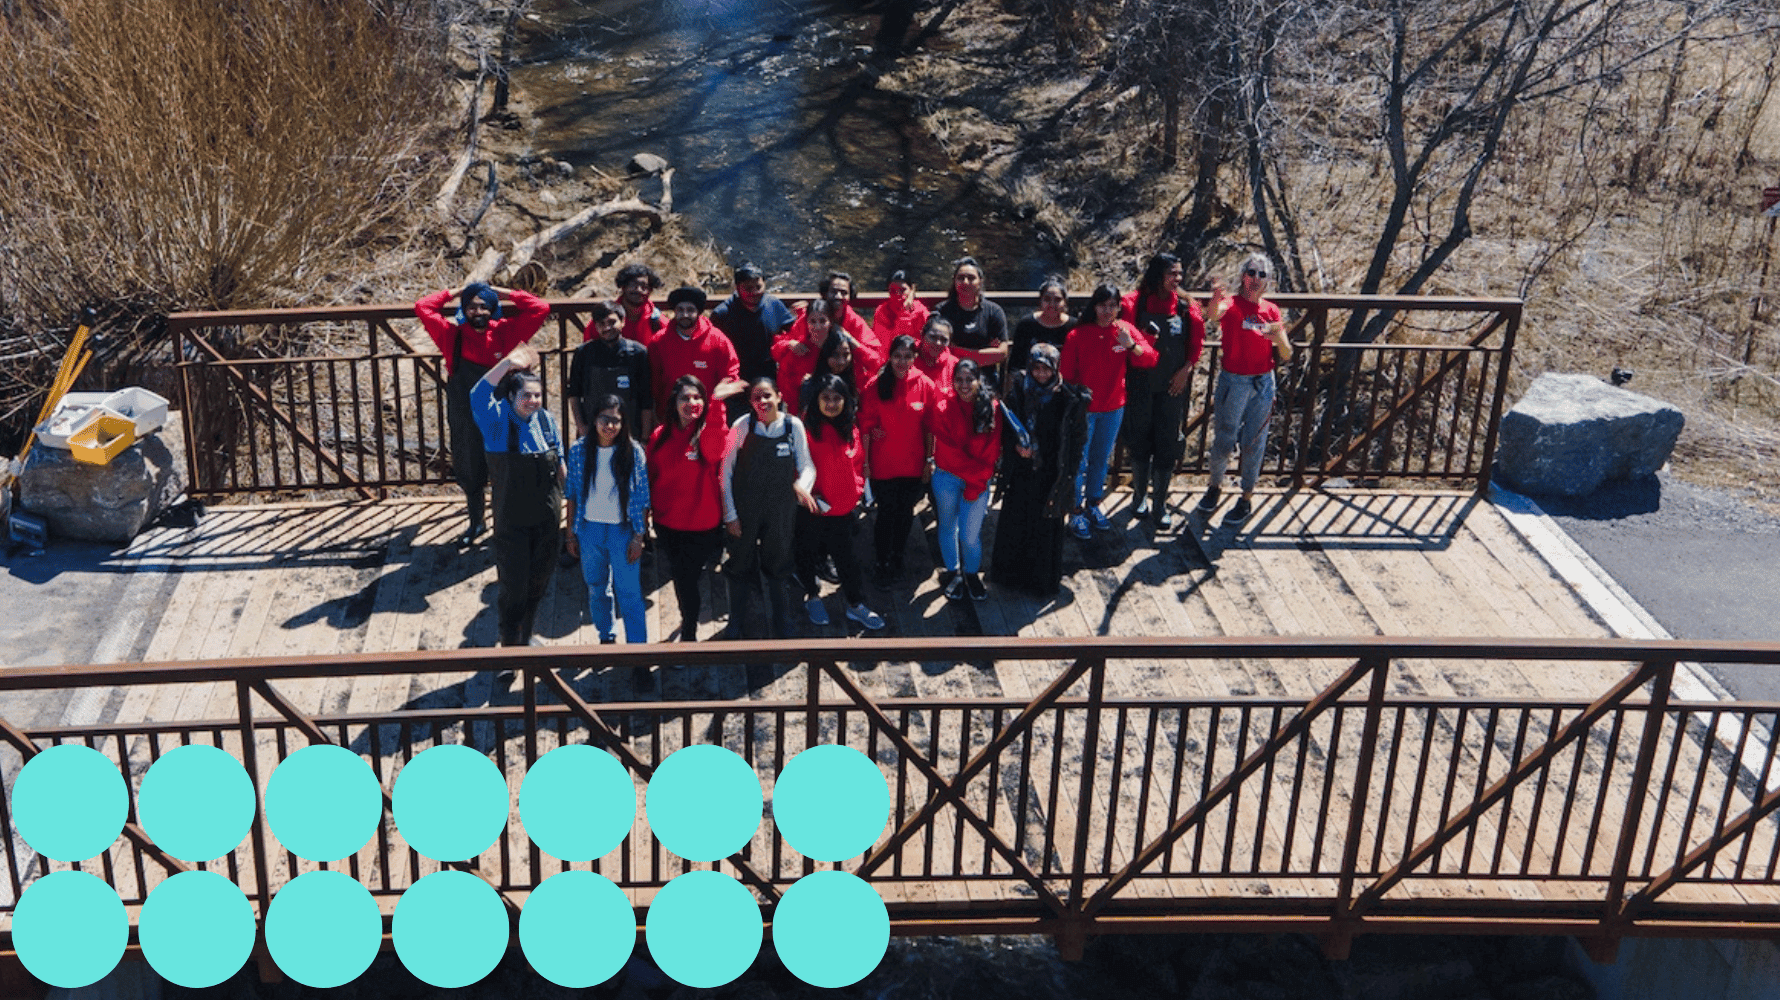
1654,269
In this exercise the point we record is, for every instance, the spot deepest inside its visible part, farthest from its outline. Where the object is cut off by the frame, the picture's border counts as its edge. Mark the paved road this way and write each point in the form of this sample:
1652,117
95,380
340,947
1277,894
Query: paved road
1705,563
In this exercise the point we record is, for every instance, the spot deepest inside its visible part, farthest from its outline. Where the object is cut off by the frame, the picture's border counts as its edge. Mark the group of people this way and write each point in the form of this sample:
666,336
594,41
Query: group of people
758,435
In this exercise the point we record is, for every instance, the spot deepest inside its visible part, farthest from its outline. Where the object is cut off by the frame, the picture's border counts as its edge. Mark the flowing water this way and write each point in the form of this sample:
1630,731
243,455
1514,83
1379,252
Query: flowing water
786,154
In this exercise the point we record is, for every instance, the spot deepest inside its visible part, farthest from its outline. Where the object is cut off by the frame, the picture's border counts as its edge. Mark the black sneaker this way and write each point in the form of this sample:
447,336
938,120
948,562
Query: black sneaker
1208,504
825,571
472,533
953,586
946,576
974,586
1240,512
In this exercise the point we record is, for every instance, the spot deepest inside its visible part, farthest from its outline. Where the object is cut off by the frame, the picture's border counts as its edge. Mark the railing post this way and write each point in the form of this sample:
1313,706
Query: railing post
1340,940
1072,937
813,703
1503,362
261,873
1313,361
1660,685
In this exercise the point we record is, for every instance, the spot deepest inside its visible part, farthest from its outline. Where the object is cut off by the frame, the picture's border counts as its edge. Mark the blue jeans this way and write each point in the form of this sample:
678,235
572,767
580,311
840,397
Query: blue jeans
604,567
1103,433
1241,409
960,522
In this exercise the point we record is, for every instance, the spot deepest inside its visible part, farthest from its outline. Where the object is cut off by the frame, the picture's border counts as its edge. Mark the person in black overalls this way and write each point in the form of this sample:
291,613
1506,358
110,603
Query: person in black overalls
1156,398
767,472
525,468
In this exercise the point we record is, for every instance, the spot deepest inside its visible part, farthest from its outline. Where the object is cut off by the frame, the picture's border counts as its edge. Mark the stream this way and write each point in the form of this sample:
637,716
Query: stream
786,154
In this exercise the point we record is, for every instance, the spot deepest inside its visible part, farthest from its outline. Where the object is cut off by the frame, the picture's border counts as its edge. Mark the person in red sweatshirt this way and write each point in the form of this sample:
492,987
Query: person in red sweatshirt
1253,338
839,457
472,342
685,456
901,314
936,358
966,429
1156,398
802,352
892,419
1098,352
642,321
691,346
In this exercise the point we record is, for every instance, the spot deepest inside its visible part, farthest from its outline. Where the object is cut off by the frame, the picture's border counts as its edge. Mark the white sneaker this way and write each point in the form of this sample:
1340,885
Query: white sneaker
817,610
866,617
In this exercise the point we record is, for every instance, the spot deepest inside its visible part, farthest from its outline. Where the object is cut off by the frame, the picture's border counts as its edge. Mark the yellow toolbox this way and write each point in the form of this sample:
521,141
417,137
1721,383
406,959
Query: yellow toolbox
102,439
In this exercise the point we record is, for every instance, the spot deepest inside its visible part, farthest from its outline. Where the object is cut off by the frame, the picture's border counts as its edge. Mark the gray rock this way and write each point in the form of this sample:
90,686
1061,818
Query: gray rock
105,503
647,163
1571,433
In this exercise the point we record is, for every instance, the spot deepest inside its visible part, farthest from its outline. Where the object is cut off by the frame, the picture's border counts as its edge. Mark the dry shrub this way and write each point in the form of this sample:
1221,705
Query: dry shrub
173,154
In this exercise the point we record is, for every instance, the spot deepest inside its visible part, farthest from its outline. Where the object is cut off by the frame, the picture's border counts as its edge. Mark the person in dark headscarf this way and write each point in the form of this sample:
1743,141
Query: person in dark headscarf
1043,438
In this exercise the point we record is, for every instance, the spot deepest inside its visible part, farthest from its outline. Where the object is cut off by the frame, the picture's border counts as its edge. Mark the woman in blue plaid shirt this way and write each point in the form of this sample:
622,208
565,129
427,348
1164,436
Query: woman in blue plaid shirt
608,516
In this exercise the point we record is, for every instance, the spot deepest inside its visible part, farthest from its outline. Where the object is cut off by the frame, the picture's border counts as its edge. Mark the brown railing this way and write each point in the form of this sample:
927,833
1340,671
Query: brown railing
1361,808
367,414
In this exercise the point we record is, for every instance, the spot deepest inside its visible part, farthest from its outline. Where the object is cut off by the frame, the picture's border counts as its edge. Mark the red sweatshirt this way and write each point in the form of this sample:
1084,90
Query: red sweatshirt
1194,322
940,372
707,354
482,347
1247,351
684,493
890,322
902,452
795,367
1093,358
643,327
958,449
840,469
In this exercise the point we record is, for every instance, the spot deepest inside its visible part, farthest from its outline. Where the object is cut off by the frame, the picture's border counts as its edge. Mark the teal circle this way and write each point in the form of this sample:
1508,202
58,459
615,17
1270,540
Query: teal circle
450,929
196,929
196,802
577,803
323,802
577,929
831,803
704,803
70,929
70,803
704,929
831,929
450,803
323,929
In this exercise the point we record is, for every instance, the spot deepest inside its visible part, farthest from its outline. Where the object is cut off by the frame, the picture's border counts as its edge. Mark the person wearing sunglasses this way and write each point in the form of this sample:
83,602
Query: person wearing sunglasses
608,487
1254,340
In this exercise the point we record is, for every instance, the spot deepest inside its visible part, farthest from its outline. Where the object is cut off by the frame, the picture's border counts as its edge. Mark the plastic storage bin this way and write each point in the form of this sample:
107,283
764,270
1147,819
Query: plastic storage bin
72,413
146,409
102,439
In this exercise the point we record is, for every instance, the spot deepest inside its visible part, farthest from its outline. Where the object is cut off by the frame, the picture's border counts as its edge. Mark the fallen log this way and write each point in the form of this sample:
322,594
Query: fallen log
494,261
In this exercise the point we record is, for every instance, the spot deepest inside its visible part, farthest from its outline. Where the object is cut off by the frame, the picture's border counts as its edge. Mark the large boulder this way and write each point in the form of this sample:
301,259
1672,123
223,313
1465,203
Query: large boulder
105,503
1571,433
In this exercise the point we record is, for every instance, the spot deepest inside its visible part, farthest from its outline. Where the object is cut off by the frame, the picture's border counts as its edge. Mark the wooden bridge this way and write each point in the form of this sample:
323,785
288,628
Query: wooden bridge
1226,728
1253,770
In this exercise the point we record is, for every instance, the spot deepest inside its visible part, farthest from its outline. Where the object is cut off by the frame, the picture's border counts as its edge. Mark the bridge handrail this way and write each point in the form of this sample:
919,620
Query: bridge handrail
1656,799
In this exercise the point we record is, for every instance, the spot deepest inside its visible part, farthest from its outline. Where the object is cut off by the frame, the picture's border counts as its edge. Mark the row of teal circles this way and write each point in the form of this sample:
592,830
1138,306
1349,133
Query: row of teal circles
451,803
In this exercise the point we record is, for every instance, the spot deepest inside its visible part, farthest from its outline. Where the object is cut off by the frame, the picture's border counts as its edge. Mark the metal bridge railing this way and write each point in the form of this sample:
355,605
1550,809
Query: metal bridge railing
367,414
1361,808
